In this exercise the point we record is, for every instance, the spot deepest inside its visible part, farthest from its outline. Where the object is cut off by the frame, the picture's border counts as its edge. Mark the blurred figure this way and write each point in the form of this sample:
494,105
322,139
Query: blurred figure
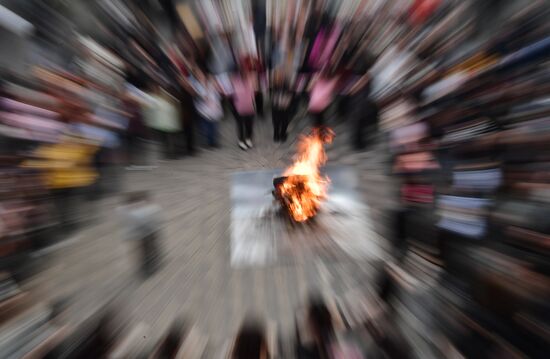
281,99
188,118
208,106
142,218
326,344
362,112
260,26
135,133
324,43
250,342
389,341
244,108
161,115
91,339
322,92
170,345
67,170
460,89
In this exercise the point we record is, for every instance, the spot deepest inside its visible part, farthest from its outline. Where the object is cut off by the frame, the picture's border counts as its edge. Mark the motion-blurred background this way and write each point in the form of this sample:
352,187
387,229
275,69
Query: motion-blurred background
127,127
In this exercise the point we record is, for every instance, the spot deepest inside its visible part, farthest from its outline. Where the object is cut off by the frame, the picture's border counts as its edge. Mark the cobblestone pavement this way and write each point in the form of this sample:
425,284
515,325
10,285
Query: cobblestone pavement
196,279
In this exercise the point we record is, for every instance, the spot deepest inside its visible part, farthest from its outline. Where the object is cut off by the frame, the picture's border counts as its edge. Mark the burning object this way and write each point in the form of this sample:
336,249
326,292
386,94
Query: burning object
302,188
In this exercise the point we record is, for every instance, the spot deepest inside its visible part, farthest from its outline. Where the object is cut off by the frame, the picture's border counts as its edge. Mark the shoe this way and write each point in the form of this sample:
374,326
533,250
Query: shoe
249,143
242,146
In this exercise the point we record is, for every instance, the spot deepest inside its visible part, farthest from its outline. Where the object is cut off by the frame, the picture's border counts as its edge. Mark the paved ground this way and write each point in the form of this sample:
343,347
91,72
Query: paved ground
197,280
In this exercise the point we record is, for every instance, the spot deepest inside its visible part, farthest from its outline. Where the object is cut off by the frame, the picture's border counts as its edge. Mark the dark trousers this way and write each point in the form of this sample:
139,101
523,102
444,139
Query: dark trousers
361,131
244,126
259,99
168,141
318,119
400,235
210,131
68,203
189,133
280,120
134,150
150,254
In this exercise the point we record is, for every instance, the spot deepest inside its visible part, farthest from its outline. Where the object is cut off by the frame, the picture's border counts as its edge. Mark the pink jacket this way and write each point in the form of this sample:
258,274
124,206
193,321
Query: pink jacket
322,94
243,96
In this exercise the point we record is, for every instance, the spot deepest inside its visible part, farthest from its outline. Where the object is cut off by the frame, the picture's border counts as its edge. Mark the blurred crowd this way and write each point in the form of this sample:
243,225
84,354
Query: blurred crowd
458,90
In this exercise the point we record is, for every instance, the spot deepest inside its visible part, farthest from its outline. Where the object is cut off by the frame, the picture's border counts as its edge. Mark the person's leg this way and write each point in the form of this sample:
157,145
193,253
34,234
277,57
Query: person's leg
191,137
400,234
249,124
240,127
171,145
241,131
99,167
358,132
285,120
259,99
145,256
214,133
60,197
343,106
163,138
126,148
276,125
189,128
178,143
135,150
203,128
281,124
210,133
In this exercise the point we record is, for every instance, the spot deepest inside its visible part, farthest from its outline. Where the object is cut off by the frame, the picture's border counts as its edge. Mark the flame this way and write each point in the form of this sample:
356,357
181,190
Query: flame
304,188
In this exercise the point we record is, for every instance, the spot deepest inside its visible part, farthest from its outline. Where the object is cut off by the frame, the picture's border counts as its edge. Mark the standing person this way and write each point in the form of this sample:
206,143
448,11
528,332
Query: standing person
259,96
188,116
259,19
260,26
251,342
208,106
135,132
67,172
170,346
244,108
281,104
362,111
162,116
142,217
322,92
326,343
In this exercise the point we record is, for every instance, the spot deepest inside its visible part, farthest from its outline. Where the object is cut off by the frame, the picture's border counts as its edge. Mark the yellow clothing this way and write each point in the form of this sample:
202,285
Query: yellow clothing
65,165
474,63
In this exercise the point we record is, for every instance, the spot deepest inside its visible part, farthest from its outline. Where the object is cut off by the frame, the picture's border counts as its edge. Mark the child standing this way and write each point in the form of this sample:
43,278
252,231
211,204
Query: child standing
209,107
143,222
244,106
